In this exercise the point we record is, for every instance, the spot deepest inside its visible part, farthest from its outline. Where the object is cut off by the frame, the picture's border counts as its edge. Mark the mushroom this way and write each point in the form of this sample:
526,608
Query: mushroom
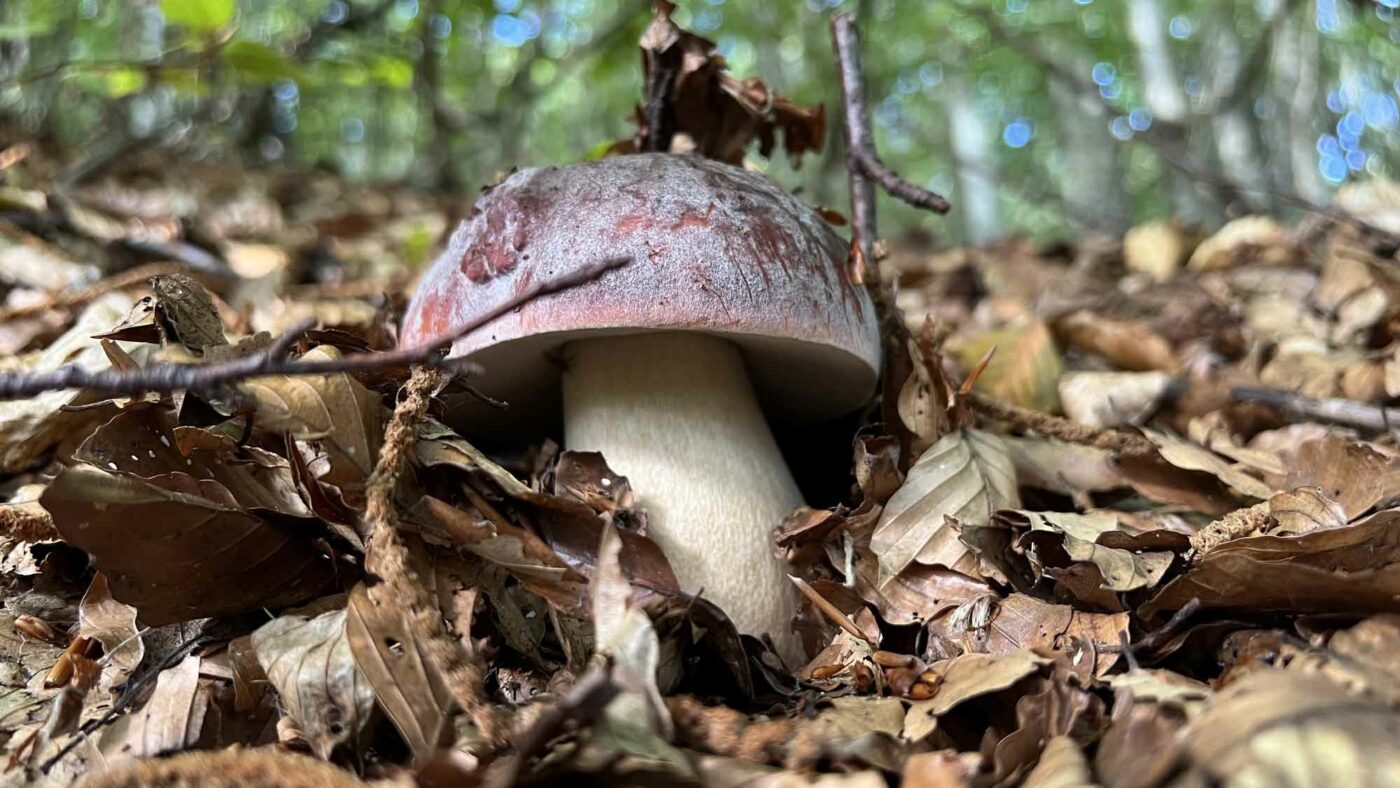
736,301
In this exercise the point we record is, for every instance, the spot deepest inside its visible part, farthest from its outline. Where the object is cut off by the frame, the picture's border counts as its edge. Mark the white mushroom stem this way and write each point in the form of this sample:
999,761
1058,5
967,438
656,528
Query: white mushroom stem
676,414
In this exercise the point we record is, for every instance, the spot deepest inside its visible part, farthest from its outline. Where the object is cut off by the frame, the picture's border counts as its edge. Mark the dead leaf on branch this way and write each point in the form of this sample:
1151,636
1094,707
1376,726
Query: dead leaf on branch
698,107
175,555
967,475
309,662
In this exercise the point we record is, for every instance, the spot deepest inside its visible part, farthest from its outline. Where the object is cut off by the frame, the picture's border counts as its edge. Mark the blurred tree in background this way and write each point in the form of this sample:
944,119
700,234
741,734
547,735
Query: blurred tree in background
1048,117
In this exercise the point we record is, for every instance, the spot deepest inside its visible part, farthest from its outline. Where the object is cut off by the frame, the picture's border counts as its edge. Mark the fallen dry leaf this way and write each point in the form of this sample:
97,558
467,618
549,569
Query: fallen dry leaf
113,624
309,663
1022,371
1350,570
967,475
175,555
1280,727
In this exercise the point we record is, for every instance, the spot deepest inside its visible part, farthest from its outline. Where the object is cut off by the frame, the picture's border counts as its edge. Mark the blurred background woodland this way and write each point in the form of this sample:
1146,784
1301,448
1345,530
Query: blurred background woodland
1044,117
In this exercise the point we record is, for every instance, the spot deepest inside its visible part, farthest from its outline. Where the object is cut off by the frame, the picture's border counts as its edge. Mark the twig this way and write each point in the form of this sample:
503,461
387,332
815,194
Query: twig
1154,639
1026,420
865,169
1344,412
861,158
856,122
271,361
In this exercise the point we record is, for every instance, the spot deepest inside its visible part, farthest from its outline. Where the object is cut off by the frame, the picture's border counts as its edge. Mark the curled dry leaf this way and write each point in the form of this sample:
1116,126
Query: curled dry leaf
31,427
1112,399
1355,475
171,720
637,720
1277,727
967,475
1190,457
1349,570
113,624
1131,345
341,416
1091,639
1022,371
1041,536
1158,249
1150,709
917,594
967,677
1244,241
1057,705
309,662
1061,765
175,555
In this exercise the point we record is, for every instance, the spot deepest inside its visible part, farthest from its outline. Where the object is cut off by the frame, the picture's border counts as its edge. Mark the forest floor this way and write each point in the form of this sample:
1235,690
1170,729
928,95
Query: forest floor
1126,511
1170,550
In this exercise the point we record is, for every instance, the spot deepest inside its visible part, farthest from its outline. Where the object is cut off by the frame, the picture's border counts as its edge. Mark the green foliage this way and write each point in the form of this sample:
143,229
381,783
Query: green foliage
347,83
259,64
201,16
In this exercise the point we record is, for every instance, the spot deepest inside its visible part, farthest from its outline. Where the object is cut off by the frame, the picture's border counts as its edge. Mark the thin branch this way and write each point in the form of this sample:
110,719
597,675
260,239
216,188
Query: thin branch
862,161
1343,412
899,188
1026,420
272,361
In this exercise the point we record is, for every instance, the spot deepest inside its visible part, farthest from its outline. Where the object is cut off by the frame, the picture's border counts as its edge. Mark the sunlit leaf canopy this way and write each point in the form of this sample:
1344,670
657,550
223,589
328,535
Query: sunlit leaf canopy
1041,116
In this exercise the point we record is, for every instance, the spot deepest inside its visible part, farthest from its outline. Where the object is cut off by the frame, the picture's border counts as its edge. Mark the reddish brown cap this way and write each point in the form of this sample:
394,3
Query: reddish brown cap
714,248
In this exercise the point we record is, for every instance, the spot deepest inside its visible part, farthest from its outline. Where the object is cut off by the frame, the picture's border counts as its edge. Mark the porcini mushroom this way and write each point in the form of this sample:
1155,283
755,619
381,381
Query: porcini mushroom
737,301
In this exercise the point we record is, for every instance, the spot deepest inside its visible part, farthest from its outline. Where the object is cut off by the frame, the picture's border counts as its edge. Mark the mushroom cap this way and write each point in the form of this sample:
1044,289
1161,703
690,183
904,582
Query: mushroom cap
713,248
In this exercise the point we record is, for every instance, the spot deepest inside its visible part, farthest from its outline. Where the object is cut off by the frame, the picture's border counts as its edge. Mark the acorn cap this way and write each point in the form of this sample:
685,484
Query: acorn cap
713,248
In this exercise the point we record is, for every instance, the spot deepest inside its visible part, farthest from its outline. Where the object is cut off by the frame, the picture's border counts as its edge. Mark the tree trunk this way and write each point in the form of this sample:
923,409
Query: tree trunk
1166,99
1296,75
1092,185
976,162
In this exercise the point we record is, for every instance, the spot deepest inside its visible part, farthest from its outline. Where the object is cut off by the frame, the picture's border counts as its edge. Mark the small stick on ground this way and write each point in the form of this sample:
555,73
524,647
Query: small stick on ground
1026,420
1158,637
1343,412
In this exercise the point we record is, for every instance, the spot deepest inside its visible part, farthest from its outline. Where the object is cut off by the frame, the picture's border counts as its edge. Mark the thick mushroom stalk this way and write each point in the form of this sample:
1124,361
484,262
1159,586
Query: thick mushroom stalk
677,415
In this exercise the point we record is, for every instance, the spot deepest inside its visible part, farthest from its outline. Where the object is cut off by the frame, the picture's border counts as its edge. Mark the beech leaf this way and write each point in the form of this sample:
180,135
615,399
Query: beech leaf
309,662
966,475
